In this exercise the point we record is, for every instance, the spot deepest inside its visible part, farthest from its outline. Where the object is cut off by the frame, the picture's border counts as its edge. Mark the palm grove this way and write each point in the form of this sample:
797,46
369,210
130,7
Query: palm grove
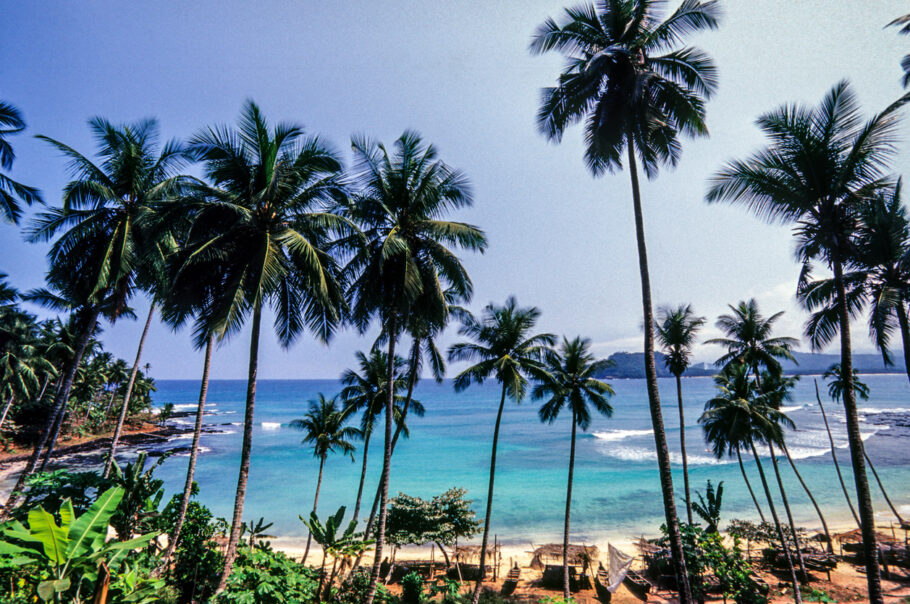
277,223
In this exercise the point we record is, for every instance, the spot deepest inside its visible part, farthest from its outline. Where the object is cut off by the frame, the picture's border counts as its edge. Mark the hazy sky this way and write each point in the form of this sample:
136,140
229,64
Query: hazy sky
460,73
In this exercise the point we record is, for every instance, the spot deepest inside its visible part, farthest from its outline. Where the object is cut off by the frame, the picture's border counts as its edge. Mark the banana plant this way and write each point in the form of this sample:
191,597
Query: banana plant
342,547
71,552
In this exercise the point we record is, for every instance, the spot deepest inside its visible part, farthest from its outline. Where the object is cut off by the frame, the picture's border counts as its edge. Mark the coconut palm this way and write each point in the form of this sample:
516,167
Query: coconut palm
22,366
12,193
107,214
324,427
406,263
738,417
262,238
820,165
366,392
749,341
903,22
637,90
503,346
840,476
676,329
566,381
835,378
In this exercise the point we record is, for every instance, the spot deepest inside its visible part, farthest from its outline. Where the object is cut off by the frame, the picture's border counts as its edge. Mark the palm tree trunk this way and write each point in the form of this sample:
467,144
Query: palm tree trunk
128,394
246,448
110,403
840,476
783,496
682,446
905,334
884,492
58,409
363,474
47,379
6,409
818,510
660,436
797,596
565,537
863,495
412,381
309,537
386,462
486,522
194,453
749,485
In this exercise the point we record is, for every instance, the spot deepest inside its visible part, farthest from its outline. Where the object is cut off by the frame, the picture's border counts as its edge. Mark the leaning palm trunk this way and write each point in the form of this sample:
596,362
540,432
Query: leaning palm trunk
489,513
884,492
783,496
818,510
58,410
128,394
309,537
905,335
742,469
565,537
246,448
412,381
660,437
863,495
194,453
386,464
797,596
682,447
6,408
840,476
363,472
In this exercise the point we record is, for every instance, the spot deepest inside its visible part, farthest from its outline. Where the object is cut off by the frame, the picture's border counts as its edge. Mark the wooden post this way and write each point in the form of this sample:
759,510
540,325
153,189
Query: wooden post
495,563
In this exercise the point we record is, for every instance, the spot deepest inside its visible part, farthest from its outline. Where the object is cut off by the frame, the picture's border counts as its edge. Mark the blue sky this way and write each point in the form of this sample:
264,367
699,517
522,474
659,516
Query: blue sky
460,74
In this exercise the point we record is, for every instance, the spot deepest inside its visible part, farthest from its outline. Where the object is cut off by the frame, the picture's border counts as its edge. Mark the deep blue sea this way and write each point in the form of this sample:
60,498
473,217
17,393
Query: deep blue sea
616,492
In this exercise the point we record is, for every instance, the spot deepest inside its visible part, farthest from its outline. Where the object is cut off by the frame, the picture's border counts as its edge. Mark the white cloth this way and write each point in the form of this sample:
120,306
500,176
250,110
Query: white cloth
619,566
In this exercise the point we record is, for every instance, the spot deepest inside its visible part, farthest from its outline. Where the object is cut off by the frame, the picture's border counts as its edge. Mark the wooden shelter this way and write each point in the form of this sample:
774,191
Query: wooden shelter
578,555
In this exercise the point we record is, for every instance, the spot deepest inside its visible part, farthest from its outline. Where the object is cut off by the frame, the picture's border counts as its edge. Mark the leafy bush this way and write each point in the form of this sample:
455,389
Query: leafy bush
411,588
269,577
197,562
817,595
354,589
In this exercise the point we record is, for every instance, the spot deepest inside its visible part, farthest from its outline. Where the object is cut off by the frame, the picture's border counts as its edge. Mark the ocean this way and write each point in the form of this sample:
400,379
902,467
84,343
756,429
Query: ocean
616,492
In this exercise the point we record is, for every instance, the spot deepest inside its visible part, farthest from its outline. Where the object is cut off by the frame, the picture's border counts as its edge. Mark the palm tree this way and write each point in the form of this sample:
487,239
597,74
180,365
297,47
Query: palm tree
749,341
503,346
903,22
821,163
840,476
406,262
638,91
12,192
676,329
324,425
836,391
567,380
737,417
108,214
366,392
262,238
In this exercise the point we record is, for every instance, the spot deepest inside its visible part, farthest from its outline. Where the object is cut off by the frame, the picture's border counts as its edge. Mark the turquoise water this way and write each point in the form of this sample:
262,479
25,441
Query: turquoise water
616,493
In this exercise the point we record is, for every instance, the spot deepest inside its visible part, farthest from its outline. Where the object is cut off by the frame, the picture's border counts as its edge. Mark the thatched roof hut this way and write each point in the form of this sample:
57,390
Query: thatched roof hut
578,555
467,554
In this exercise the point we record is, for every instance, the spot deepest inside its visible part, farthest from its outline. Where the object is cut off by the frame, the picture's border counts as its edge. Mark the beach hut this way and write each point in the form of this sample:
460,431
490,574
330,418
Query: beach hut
580,558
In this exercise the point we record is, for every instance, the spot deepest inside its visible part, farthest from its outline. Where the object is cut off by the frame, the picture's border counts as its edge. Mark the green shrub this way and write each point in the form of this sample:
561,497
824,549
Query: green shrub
197,562
411,588
269,577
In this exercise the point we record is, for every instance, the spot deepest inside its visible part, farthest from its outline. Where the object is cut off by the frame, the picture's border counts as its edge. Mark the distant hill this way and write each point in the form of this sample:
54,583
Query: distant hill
630,365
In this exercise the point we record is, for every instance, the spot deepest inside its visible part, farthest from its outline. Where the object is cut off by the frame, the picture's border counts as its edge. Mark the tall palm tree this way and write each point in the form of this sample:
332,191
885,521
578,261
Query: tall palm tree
263,238
821,163
108,211
903,22
636,89
324,425
12,193
737,417
676,330
840,476
402,201
567,381
503,346
366,392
